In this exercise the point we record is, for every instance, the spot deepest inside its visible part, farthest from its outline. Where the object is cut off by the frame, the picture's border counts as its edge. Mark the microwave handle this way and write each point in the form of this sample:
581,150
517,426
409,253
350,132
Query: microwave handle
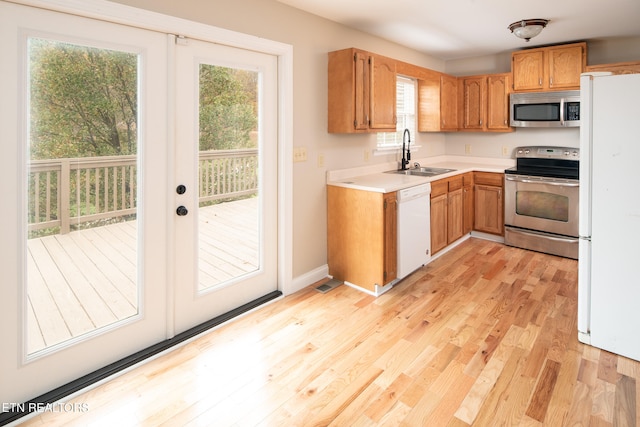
562,107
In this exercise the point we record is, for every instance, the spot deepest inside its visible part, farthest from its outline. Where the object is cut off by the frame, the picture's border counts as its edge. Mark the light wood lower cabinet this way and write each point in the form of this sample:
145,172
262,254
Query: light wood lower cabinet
362,236
467,203
439,211
489,202
451,210
454,209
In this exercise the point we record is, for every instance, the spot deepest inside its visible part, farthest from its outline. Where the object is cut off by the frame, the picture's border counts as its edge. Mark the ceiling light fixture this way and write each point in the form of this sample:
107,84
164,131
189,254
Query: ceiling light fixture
528,28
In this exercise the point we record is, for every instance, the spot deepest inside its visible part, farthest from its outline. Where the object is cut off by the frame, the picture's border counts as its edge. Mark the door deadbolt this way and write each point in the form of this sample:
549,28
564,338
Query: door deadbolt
181,189
182,211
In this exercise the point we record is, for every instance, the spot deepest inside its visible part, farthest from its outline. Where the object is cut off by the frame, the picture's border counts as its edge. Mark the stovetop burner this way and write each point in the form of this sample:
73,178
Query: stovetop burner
553,162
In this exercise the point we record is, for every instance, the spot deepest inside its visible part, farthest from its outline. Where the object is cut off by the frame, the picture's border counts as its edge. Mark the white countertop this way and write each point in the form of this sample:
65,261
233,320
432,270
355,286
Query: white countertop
374,178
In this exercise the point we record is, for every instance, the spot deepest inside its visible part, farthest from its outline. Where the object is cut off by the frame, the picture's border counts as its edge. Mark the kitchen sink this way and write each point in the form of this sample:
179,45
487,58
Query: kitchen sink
423,171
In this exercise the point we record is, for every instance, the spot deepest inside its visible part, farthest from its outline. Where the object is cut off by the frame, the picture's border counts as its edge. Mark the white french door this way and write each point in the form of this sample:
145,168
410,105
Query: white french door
226,160
141,191
82,225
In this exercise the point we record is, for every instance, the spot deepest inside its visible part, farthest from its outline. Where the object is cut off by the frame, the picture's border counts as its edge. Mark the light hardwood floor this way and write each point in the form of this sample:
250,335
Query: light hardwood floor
485,336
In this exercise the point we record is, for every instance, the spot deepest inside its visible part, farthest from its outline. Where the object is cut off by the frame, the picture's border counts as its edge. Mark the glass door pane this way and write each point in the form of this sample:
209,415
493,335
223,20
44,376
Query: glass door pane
228,237
82,186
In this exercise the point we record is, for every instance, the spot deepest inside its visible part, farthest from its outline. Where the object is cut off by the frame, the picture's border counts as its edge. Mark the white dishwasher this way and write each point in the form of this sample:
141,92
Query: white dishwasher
414,225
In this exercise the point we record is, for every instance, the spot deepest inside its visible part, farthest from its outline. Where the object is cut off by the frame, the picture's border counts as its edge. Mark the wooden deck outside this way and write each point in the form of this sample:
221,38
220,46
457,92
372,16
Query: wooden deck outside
84,280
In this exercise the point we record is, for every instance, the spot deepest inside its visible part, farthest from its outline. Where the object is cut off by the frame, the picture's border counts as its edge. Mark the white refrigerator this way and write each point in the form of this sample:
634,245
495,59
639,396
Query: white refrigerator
609,253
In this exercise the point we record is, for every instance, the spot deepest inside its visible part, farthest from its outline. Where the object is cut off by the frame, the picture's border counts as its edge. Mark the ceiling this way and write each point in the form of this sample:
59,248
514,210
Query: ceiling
454,29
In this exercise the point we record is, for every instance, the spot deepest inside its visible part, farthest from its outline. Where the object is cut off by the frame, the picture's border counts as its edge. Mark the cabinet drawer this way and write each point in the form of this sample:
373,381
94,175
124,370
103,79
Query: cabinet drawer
455,183
467,179
438,188
489,178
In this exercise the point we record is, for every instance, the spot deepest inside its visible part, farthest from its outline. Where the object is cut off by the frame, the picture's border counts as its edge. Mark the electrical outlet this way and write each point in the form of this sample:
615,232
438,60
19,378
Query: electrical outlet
467,149
505,151
320,160
299,154
366,155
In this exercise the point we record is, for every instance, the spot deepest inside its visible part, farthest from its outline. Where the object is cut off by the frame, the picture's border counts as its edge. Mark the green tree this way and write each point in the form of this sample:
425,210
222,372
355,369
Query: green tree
228,108
83,100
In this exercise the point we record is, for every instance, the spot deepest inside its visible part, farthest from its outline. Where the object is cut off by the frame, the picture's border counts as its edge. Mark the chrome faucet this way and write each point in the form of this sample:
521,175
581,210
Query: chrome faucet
405,160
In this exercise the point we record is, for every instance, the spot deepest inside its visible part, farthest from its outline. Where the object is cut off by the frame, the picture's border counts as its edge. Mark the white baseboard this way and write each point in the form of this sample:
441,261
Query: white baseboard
487,236
307,279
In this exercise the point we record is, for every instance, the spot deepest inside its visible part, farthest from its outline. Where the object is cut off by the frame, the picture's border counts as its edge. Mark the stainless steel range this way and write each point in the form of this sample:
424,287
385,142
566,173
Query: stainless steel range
541,200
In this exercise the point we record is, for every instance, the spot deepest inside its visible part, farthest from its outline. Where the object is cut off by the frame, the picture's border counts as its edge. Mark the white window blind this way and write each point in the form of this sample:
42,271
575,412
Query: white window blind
405,111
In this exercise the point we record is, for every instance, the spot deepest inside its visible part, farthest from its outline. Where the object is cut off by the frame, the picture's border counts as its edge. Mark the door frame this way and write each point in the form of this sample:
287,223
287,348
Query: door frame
140,18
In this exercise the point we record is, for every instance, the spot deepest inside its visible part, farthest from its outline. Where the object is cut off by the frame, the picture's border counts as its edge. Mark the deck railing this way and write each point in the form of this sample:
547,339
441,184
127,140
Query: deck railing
71,192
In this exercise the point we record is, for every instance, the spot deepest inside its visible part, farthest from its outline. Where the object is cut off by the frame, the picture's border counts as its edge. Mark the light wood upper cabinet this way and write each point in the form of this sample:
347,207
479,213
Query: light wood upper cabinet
362,236
449,102
527,68
549,68
632,67
382,93
485,103
498,89
361,92
474,103
438,103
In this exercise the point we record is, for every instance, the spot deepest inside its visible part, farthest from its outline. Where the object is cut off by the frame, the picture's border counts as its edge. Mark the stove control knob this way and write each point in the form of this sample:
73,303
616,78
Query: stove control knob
567,153
526,151
575,154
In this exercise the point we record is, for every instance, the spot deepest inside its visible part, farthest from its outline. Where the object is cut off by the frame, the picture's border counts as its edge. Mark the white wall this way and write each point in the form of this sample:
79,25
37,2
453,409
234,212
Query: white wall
492,144
312,37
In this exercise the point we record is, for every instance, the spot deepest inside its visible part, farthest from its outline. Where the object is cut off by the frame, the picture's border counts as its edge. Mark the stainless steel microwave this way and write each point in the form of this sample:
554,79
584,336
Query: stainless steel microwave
545,109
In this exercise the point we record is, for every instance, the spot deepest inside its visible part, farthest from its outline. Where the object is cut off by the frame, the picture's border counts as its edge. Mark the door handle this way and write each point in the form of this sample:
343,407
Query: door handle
182,211
181,189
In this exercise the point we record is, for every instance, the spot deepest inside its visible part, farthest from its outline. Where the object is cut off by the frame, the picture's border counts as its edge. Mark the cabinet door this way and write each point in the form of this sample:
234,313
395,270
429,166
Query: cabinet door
390,237
467,209
528,70
474,89
489,209
498,102
565,66
438,223
454,215
448,102
361,91
382,94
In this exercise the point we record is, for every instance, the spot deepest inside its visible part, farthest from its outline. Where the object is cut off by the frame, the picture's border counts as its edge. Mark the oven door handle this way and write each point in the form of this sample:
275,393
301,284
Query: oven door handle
531,181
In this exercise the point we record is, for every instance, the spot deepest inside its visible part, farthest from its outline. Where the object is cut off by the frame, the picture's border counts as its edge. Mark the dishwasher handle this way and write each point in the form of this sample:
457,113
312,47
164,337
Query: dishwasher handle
423,190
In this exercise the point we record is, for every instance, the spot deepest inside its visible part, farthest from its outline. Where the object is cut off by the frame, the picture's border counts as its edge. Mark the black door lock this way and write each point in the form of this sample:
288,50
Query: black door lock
181,189
182,211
